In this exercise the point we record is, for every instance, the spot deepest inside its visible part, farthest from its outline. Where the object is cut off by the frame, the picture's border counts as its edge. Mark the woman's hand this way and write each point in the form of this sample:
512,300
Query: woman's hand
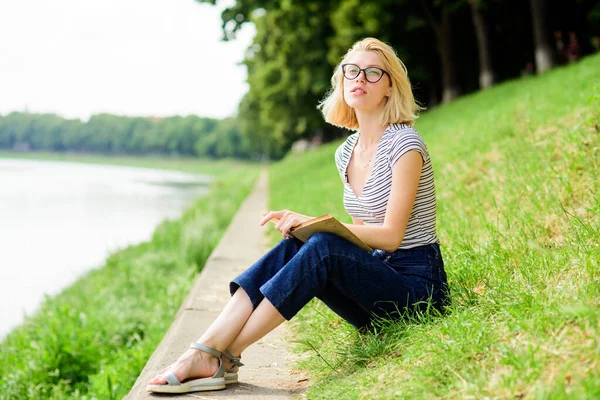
284,220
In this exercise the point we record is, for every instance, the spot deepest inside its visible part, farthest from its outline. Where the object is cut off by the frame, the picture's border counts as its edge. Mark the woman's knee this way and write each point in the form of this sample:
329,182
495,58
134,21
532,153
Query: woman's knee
286,247
322,238
325,243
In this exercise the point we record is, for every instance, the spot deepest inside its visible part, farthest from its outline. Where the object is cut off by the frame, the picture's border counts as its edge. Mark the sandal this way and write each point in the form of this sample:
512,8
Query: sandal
216,382
231,376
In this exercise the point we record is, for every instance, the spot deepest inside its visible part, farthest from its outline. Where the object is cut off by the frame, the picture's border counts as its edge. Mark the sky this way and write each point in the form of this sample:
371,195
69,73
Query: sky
76,58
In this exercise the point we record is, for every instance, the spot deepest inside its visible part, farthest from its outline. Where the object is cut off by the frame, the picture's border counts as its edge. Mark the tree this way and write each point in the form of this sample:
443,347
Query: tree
544,59
106,133
288,72
486,68
438,14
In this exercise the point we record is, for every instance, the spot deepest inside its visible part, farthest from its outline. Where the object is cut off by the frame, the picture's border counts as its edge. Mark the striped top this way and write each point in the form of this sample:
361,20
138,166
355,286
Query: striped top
371,205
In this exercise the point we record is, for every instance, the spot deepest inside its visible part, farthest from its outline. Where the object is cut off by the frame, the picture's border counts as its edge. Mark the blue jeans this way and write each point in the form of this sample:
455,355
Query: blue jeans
355,284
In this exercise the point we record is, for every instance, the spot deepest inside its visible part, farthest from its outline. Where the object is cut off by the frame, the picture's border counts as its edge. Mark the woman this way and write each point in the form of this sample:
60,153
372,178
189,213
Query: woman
388,191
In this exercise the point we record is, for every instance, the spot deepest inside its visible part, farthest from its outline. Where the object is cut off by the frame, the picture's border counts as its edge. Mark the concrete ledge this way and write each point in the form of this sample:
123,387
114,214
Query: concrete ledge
265,374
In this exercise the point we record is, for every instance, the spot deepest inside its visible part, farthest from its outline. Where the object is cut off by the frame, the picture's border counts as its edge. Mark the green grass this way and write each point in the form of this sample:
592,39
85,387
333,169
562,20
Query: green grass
516,170
92,340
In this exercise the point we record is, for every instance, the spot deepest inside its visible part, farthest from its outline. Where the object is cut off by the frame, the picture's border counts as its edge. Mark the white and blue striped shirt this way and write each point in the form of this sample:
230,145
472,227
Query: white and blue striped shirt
371,205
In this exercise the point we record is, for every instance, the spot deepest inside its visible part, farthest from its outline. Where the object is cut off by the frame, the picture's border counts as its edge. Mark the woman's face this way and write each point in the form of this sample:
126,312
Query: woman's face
362,92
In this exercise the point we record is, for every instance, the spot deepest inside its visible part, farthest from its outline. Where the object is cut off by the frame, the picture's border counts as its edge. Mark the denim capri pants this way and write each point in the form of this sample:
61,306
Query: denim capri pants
355,284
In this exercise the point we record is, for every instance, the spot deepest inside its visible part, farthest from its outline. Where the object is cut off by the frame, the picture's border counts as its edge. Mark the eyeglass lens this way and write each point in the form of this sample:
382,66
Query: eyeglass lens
372,74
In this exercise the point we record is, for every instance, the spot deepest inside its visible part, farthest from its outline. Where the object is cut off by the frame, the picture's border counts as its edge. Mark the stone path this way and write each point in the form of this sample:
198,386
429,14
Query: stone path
265,374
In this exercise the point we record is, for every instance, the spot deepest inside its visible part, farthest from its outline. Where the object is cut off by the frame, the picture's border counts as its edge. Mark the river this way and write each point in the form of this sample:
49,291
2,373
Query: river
58,220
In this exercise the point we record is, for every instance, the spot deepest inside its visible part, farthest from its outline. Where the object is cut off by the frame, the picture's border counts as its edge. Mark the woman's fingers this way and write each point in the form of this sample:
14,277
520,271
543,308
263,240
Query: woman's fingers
280,223
284,220
288,225
270,215
277,216
265,218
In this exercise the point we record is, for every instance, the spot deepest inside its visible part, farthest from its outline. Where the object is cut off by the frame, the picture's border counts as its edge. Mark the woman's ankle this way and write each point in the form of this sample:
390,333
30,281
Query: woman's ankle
231,359
207,363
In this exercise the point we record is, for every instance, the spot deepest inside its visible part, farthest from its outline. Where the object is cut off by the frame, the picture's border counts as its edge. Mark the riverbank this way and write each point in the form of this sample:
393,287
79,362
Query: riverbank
93,339
214,168
519,221
72,215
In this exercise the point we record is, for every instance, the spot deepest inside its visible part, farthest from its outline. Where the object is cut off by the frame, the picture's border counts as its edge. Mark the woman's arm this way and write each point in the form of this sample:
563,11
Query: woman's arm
406,174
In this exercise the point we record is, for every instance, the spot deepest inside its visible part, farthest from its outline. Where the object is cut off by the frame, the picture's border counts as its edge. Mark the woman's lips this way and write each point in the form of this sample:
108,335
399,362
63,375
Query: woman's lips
358,90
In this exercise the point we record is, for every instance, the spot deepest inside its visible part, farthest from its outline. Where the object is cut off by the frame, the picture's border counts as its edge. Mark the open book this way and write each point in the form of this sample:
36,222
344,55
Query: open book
325,223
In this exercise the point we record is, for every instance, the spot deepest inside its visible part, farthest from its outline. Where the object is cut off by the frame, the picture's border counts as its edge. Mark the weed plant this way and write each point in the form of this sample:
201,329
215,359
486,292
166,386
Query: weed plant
92,340
516,170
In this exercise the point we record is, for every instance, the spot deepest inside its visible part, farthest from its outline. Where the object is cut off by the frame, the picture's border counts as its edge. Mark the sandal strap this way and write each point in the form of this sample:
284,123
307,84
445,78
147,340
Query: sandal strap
235,360
220,373
171,378
205,349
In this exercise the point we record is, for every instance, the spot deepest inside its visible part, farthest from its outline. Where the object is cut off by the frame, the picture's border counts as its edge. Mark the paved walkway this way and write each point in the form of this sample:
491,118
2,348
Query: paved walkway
265,374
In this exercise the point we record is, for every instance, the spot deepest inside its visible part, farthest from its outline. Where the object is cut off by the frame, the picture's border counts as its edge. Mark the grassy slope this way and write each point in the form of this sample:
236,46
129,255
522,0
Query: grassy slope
93,339
517,183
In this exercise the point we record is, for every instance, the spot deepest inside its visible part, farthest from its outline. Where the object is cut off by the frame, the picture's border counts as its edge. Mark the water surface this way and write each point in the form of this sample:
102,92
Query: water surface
59,220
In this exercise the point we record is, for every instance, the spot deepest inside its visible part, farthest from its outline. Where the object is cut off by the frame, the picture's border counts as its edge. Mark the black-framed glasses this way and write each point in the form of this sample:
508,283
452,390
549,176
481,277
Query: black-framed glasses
372,74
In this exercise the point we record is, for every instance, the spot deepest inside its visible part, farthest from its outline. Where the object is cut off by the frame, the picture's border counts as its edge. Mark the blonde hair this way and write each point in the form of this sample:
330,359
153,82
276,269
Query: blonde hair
401,106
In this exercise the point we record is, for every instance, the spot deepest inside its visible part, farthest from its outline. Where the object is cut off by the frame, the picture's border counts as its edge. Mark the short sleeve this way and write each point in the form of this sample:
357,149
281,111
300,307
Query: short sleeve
404,141
341,155
339,161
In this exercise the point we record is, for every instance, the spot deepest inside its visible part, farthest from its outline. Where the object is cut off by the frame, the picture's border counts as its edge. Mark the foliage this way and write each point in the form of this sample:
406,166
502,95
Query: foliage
112,134
290,62
298,43
516,171
287,75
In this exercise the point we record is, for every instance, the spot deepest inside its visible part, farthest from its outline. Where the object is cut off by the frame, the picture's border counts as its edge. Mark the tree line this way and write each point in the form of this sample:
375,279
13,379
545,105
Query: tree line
106,133
450,47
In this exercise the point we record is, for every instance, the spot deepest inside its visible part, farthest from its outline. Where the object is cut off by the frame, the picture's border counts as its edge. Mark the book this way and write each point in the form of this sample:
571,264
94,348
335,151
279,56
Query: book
325,223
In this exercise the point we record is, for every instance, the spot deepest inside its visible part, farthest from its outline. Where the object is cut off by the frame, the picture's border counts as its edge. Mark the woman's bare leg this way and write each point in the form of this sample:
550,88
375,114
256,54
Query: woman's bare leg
236,328
229,322
195,363
262,321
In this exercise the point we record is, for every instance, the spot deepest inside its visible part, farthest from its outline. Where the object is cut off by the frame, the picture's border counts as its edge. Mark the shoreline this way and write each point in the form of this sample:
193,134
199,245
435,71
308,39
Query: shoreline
182,164
75,215
112,317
